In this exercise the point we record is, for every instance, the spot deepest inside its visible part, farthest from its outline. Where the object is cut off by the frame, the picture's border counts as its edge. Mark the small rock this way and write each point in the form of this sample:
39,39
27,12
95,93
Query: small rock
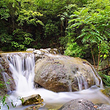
33,99
35,107
37,52
30,49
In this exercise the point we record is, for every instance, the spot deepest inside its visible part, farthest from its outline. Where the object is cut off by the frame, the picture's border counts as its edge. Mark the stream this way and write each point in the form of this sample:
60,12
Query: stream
22,68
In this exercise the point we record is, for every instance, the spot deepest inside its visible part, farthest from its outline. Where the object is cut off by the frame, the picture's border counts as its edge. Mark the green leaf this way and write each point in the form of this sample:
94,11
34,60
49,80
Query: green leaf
75,25
86,38
8,82
70,21
62,18
83,34
73,16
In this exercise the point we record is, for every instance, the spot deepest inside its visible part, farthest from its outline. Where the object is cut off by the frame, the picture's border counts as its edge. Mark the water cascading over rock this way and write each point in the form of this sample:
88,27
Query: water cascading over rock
20,69
54,72
63,73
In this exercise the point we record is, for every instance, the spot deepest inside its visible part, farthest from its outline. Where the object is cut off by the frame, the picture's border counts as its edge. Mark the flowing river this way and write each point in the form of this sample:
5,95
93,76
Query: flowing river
22,68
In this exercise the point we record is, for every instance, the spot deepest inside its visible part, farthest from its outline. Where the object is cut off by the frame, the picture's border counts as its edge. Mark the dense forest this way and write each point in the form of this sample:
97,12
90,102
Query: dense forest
80,27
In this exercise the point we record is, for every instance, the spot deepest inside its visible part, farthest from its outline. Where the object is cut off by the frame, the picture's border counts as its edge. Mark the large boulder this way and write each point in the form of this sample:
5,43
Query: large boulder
78,104
62,73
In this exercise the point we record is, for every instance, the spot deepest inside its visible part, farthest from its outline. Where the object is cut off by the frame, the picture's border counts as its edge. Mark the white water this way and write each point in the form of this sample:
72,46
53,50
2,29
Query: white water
81,81
54,99
22,69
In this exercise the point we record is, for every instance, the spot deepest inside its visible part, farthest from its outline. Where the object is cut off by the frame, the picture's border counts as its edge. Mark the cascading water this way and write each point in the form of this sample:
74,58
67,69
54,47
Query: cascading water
81,81
22,65
22,69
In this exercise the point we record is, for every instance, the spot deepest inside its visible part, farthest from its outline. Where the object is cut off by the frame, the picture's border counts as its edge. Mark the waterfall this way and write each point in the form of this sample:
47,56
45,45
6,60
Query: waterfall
97,78
81,81
21,66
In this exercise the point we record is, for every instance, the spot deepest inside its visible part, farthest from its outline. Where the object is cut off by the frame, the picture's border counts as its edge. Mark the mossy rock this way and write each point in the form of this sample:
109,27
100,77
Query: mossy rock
106,91
35,107
33,99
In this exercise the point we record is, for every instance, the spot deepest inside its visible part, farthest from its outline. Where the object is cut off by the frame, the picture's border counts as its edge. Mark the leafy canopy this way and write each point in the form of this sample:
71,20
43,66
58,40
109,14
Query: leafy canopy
91,26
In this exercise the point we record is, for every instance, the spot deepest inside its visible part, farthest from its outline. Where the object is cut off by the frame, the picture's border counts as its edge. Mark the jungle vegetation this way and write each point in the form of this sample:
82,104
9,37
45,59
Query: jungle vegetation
81,27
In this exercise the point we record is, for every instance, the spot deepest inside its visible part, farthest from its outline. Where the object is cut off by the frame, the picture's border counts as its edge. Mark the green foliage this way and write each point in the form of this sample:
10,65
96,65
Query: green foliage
35,17
51,29
4,101
4,11
105,49
1,84
5,38
22,100
90,25
5,41
15,33
78,24
73,49
29,17
80,3
106,79
21,39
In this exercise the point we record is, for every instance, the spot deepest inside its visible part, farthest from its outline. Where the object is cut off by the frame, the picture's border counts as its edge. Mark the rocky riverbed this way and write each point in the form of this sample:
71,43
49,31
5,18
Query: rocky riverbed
56,73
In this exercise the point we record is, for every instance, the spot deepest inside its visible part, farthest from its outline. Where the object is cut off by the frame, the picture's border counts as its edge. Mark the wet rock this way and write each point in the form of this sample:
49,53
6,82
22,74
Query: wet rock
49,50
6,74
62,73
33,99
3,89
30,49
42,53
35,107
104,107
78,104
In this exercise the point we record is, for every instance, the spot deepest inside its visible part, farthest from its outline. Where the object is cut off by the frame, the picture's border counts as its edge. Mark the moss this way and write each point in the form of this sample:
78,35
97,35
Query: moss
2,86
34,99
106,91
